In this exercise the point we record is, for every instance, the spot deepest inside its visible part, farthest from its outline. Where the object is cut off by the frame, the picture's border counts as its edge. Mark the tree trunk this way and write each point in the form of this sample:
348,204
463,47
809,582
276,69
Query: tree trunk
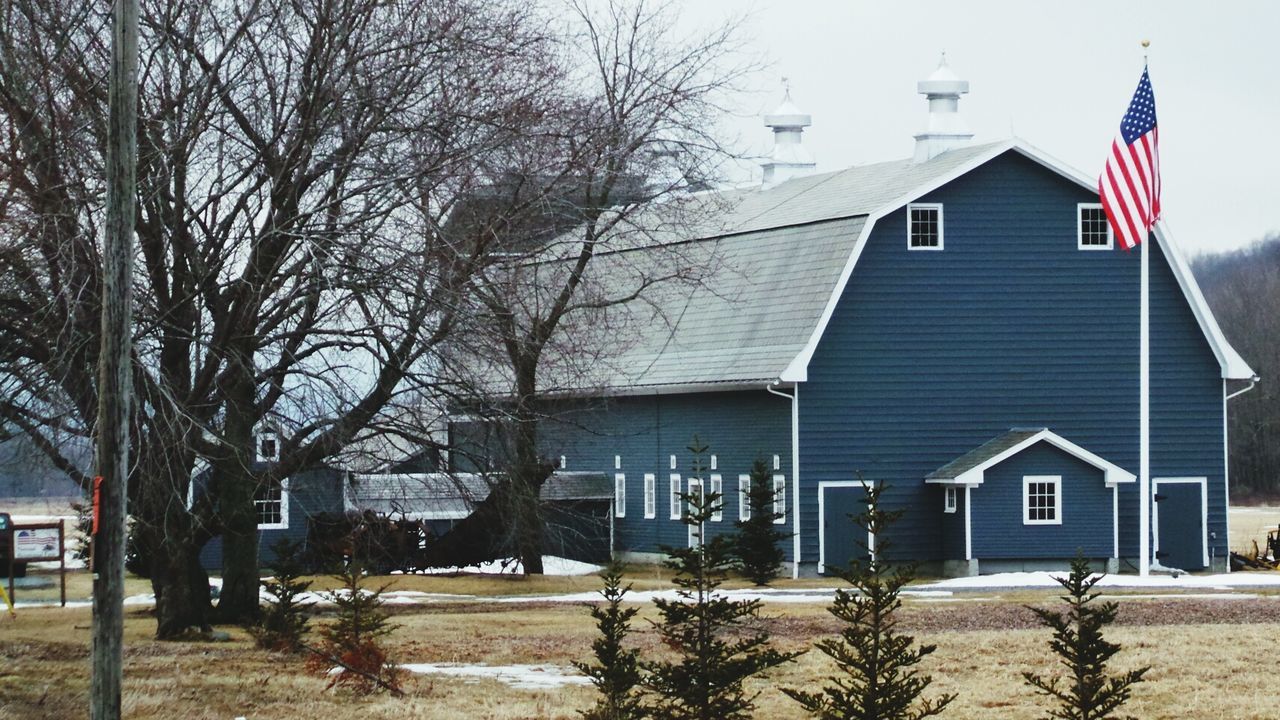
181,587
527,474
237,484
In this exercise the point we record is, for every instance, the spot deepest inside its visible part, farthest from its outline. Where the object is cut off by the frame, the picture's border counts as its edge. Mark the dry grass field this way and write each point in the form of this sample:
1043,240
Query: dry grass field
1212,658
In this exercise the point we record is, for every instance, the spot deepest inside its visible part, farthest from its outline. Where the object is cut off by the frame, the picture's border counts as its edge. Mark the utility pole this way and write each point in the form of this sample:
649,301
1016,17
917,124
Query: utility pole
114,387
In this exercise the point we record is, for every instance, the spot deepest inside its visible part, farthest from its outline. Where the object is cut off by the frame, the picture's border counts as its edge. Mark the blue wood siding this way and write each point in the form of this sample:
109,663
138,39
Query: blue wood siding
997,515
310,493
930,354
647,430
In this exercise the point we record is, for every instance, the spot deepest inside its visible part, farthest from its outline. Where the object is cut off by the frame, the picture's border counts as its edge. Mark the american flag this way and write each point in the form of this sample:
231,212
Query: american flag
1130,182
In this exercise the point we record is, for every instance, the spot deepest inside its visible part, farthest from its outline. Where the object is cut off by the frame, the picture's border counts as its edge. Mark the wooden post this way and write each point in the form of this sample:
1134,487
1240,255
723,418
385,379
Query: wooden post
114,387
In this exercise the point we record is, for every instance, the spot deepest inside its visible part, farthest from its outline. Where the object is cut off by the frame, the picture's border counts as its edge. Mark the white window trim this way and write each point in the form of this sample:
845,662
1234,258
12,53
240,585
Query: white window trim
257,441
924,206
777,462
1056,481
284,509
744,499
779,499
714,463
564,462
677,507
717,489
650,496
673,462
949,502
617,462
619,495
1080,208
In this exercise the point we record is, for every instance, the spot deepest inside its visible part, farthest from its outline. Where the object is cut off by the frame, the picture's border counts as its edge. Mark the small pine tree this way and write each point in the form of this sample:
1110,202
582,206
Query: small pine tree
616,673
878,679
715,653
353,639
283,624
1089,693
758,539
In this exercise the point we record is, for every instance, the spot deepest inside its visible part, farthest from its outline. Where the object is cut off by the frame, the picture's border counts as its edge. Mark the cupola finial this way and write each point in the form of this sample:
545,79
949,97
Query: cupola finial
945,129
789,157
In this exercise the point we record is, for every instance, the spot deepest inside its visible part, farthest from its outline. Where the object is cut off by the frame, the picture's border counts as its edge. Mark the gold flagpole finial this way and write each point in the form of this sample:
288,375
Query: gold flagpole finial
1145,44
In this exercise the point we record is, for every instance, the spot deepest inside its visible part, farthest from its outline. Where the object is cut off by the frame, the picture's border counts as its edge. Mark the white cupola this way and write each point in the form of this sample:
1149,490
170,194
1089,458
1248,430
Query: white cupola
946,129
789,158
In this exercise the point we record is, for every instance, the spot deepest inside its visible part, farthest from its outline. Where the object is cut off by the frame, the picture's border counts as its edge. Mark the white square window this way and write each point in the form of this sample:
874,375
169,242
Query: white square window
676,505
1042,500
619,495
1093,231
271,500
949,500
924,226
650,496
717,490
744,498
779,499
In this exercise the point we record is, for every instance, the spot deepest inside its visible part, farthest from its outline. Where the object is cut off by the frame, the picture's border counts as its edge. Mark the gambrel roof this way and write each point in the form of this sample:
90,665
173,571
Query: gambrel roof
760,315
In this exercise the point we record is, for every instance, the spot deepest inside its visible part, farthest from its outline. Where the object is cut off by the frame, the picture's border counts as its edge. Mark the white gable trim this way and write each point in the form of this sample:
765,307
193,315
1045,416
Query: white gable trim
1233,366
974,477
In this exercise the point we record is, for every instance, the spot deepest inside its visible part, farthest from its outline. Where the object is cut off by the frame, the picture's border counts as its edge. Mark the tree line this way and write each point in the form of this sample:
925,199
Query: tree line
1243,289
352,216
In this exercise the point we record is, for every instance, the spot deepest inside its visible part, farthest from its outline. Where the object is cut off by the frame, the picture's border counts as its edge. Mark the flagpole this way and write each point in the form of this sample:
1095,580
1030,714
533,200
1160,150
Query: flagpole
1144,393
1144,415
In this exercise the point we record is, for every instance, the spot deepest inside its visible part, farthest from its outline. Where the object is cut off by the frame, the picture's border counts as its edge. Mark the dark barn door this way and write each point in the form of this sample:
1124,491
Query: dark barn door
1180,539
842,538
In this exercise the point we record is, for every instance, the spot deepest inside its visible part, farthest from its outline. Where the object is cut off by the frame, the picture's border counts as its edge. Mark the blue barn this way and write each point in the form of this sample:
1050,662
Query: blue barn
957,325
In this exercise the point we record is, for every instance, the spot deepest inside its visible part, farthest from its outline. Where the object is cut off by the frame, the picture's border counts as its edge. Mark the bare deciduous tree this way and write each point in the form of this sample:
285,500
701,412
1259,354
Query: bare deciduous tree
613,173
298,162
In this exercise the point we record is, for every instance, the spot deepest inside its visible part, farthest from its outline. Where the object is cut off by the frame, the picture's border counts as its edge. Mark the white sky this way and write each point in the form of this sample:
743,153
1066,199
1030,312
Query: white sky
1058,75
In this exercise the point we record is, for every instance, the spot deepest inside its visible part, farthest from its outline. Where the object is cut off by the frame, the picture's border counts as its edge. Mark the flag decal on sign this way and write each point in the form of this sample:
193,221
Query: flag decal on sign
1130,183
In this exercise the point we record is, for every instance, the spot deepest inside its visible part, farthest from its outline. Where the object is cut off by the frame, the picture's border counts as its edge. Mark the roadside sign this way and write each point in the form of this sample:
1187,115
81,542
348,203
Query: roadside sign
37,543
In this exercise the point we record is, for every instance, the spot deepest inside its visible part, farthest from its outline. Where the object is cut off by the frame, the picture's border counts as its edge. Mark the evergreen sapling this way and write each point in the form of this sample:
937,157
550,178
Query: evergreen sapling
877,678
282,625
353,641
759,548
715,651
1088,692
616,672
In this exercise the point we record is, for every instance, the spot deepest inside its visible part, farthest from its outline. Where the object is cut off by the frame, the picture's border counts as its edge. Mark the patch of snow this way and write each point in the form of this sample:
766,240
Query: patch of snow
769,595
528,677
551,565
1225,581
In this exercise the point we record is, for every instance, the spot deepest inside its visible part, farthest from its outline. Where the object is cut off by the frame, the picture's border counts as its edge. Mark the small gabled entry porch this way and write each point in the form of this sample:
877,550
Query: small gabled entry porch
1029,499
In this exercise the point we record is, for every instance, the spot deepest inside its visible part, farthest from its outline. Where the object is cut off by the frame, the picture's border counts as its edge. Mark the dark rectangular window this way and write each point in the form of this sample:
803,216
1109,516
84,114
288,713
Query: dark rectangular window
924,227
1094,230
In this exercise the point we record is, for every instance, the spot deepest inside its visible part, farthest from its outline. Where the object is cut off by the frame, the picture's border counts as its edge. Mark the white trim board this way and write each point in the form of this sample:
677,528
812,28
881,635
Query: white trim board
1203,482
822,515
1233,367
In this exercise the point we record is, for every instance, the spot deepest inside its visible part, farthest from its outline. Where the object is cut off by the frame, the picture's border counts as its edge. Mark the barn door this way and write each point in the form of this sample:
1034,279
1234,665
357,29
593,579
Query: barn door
842,539
1181,540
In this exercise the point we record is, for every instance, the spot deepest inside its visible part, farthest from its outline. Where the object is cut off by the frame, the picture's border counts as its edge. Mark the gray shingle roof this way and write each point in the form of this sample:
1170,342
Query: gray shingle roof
777,253
442,496
982,454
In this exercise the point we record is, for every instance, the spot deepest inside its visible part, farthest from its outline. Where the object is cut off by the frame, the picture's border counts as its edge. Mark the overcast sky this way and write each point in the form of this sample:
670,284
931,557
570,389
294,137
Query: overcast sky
1058,75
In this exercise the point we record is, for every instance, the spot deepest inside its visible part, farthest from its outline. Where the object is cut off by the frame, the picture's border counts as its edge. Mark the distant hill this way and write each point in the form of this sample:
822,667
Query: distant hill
26,472
1243,288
